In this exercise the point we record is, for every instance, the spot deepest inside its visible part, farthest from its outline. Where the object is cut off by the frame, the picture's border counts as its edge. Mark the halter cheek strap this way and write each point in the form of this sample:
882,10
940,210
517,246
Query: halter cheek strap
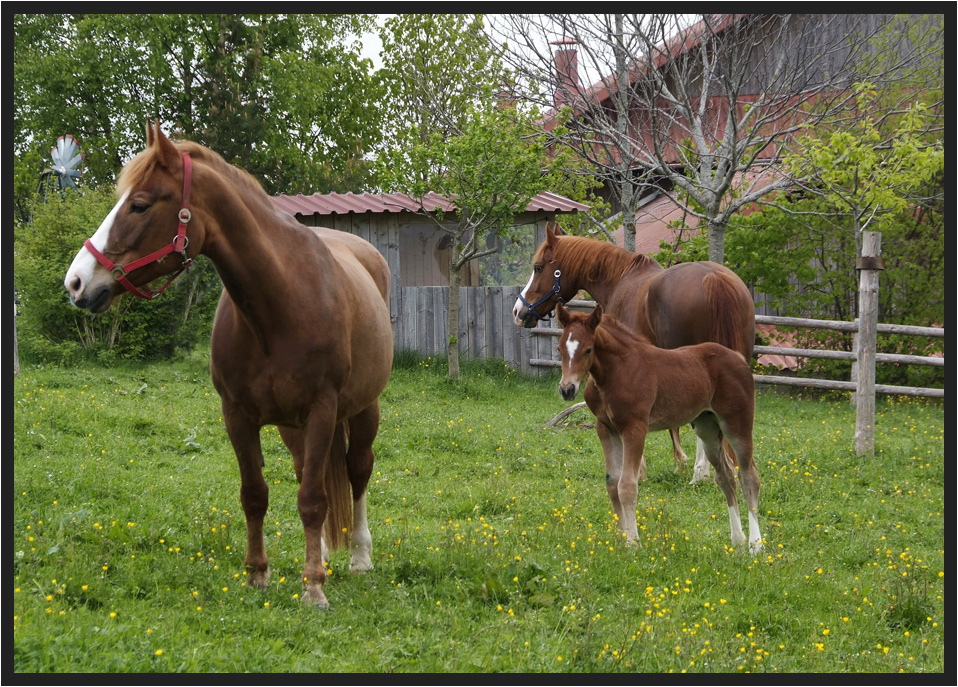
549,294
179,244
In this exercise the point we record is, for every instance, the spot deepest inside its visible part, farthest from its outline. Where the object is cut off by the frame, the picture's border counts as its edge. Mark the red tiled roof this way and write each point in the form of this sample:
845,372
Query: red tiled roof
342,203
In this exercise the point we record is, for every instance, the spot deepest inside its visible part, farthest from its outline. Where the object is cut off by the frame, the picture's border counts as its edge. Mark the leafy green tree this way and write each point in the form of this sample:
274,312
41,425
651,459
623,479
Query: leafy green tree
286,97
53,330
452,136
695,107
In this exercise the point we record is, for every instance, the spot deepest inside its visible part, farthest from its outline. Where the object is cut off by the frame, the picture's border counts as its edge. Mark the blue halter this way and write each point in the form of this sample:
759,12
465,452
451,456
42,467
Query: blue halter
554,292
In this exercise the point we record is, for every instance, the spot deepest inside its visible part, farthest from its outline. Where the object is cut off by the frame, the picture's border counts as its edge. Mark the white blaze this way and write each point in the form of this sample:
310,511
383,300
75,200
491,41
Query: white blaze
571,346
84,262
518,306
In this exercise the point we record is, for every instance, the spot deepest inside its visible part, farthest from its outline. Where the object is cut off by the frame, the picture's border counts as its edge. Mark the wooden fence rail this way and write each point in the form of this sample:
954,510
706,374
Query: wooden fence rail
834,325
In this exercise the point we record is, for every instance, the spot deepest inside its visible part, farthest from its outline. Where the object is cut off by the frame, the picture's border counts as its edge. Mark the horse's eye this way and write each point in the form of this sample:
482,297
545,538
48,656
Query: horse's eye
138,208
537,269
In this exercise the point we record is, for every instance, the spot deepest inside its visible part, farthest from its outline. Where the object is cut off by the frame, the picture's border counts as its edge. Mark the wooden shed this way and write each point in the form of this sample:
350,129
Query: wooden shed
419,255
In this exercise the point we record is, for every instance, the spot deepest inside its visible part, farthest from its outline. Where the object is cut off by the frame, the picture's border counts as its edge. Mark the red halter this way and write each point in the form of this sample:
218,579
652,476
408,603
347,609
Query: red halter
179,244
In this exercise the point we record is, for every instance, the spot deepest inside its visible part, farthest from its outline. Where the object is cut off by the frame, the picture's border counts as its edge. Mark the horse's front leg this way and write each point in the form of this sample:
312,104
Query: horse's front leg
295,440
612,450
313,501
633,447
254,493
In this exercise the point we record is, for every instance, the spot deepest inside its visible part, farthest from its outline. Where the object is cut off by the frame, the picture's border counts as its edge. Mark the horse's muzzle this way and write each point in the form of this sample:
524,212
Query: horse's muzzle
568,391
95,300
528,318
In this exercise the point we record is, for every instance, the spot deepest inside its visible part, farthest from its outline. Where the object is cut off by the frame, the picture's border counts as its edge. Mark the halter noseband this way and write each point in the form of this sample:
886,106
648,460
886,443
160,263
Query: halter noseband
549,294
179,244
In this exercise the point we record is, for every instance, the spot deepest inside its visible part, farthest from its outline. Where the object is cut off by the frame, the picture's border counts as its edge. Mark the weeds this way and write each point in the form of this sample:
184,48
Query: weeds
494,544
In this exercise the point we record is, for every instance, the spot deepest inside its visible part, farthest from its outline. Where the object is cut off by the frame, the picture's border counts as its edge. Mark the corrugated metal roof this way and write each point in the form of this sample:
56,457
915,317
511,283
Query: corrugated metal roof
342,203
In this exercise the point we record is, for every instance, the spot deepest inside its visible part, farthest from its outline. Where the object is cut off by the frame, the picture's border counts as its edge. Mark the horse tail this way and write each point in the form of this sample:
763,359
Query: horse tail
339,511
732,312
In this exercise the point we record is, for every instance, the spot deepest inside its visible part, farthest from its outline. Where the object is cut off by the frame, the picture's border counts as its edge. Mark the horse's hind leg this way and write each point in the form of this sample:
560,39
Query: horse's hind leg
701,471
359,464
681,460
741,440
707,429
254,493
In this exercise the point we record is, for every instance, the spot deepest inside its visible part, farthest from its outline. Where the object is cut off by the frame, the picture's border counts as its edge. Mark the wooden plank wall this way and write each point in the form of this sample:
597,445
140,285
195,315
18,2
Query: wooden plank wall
486,328
418,313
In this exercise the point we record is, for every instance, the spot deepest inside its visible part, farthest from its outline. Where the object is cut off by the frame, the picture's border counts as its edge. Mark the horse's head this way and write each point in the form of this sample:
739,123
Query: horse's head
544,289
576,347
132,247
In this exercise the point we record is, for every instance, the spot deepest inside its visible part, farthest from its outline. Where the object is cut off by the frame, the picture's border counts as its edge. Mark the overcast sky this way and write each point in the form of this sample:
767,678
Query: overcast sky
372,45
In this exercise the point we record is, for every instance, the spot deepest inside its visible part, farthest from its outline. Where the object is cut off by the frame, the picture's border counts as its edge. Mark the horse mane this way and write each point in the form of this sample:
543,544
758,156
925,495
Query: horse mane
593,259
144,164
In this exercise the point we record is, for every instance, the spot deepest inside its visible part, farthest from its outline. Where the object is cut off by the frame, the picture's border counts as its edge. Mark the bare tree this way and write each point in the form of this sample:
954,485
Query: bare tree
697,108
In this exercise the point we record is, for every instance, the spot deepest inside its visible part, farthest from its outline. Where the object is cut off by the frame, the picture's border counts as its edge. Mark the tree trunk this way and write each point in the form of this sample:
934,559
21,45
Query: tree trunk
455,279
716,232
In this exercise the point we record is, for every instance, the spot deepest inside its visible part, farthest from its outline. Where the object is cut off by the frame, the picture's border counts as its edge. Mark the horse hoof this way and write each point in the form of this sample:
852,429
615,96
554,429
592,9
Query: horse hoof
315,599
258,579
360,567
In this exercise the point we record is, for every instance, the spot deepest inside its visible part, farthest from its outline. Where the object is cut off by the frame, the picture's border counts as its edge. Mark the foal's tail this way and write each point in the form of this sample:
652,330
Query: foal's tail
732,312
339,513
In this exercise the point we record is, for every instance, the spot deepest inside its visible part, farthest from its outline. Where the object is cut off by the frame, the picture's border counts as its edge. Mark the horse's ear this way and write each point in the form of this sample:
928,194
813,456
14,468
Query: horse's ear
558,230
168,154
562,315
550,236
595,317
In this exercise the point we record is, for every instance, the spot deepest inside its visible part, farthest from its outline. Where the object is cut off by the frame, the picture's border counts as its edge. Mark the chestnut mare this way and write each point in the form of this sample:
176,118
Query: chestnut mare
686,304
302,337
635,387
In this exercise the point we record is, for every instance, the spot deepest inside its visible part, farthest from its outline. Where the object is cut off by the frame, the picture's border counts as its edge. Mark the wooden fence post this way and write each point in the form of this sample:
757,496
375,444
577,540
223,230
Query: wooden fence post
869,265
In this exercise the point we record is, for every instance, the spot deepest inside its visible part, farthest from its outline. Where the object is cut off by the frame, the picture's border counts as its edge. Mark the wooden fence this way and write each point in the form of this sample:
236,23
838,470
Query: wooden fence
486,327
486,330
864,358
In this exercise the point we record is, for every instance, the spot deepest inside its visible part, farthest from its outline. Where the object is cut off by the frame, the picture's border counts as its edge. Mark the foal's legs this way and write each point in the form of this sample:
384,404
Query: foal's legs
359,464
681,460
254,494
740,439
612,450
707,429
633,469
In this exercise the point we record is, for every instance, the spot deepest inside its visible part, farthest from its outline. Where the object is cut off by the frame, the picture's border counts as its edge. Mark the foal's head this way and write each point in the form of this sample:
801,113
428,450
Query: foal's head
576,347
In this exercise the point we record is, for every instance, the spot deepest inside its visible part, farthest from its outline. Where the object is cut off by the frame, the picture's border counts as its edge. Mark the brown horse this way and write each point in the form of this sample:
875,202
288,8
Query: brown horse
302,337
686,304
635,387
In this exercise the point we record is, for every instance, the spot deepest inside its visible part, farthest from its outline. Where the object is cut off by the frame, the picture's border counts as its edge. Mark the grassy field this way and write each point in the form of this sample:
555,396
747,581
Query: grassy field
494,544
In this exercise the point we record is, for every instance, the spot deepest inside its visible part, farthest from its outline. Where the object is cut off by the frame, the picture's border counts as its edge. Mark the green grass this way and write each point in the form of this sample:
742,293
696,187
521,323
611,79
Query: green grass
494,543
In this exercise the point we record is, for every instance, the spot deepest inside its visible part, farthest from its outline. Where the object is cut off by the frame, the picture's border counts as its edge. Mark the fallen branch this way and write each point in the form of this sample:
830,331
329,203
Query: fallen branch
565,413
